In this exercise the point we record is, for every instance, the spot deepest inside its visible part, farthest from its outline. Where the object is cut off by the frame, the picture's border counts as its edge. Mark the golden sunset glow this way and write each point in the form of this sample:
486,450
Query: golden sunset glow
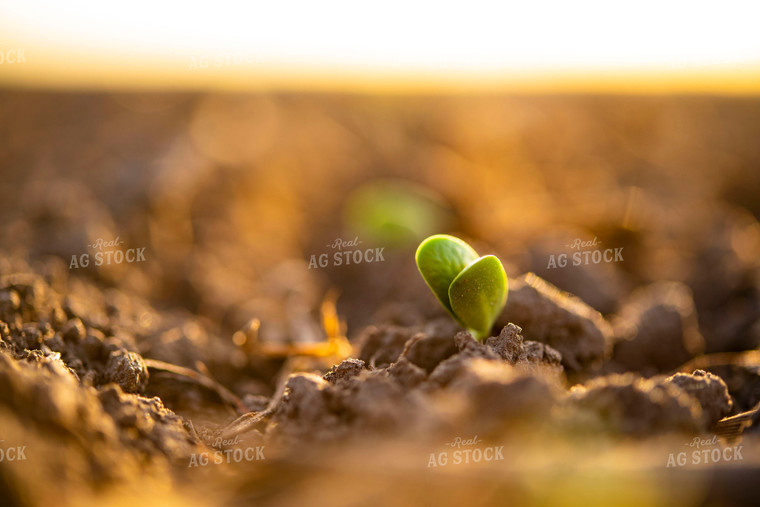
339,45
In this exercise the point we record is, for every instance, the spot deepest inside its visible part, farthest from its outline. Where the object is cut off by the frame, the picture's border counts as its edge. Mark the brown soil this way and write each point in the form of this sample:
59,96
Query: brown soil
120,380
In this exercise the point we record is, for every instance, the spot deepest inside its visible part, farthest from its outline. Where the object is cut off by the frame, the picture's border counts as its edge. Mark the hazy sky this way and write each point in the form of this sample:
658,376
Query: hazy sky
398,36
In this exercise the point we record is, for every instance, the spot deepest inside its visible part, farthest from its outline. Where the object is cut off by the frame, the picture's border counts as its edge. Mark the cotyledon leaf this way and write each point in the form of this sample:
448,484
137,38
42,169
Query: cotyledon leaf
440,259
478,294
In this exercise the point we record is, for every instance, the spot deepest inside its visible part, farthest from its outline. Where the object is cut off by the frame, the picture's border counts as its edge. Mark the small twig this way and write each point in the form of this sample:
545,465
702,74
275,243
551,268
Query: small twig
336,346
247,422
732,427
225,394
746,358
244,423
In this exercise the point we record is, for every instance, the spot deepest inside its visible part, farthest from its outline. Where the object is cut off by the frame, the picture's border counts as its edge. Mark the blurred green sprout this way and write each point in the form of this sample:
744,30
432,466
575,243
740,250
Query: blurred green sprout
395,213
473,289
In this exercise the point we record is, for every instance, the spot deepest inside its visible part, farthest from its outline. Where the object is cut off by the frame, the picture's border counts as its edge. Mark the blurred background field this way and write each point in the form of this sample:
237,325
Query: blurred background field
231,194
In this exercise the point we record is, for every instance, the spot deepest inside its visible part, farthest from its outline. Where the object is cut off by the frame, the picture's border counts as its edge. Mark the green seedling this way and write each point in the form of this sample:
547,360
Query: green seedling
473,289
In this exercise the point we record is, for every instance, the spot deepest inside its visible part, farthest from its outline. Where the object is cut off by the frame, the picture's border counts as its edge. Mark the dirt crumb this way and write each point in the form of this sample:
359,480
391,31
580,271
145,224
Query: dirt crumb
128,370
382,345
498,393
303,413
427,351
512,347
709,390
571,327
631,405
470,347
656,329
147,425
347,369
406,373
